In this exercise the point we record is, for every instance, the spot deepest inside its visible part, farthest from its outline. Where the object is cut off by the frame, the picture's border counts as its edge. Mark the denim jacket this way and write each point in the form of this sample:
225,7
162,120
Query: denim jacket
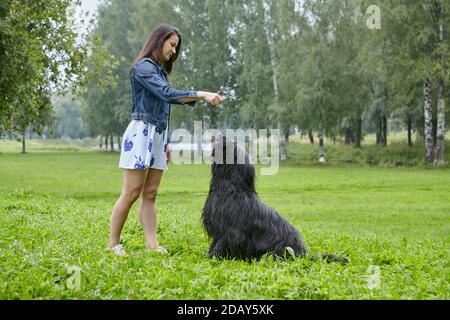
152,95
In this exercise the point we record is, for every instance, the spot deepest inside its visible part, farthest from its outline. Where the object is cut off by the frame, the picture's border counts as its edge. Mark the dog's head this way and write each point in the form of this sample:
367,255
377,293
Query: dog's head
230,161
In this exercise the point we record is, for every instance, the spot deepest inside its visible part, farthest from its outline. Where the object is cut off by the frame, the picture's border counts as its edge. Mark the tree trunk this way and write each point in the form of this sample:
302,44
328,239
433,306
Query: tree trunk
286,136
106,142
384,132
440,125
379,133
440,130
112,143
409,124
348,136
273,62
119,139
321,148
311,137
101,142
428,117
283,154
23,141
358,133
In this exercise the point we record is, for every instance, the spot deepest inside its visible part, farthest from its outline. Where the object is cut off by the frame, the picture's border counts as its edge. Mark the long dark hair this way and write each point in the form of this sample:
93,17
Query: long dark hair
154,45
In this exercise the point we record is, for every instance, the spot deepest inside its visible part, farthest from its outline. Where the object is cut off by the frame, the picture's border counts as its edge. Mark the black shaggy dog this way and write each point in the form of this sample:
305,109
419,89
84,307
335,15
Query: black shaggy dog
238,223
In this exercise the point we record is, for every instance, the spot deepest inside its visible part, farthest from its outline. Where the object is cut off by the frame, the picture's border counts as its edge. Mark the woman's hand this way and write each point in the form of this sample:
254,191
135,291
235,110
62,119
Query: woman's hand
211,97
168,156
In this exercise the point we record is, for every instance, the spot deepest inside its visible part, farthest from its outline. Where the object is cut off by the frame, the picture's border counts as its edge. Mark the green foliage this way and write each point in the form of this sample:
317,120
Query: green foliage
102,82
397,154
313,65
310,65
67,122
53,222
37,42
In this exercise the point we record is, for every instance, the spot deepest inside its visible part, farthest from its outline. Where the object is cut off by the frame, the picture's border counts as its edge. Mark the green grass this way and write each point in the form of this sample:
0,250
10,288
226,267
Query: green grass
55,207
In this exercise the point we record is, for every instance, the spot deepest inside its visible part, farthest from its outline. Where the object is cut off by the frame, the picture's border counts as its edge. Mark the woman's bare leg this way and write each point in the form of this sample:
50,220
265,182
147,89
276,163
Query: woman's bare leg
147,212
133,181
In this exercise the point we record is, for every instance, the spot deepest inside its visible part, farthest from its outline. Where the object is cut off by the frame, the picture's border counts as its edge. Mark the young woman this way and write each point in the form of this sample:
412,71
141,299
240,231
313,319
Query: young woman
145,152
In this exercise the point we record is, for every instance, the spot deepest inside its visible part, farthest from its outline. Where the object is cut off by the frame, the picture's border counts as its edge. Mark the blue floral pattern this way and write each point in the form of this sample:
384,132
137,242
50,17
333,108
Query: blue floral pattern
150,144
144,146
127,145
139,164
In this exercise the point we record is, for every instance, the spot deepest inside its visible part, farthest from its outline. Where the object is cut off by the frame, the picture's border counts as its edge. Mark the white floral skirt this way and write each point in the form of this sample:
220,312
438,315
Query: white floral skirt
143,146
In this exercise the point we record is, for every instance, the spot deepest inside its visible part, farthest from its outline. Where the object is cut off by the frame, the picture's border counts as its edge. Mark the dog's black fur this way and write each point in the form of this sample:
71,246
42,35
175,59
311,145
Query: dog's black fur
238,223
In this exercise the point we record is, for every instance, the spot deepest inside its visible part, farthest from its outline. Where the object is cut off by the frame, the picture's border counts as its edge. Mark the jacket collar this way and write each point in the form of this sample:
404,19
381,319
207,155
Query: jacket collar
157,65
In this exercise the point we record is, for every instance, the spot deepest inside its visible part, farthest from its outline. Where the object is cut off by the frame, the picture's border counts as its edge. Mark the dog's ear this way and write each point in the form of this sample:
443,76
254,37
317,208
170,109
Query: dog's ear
217,152
221,146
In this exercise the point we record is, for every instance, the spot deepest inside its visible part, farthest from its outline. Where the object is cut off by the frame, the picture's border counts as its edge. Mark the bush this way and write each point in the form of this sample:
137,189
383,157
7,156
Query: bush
394,155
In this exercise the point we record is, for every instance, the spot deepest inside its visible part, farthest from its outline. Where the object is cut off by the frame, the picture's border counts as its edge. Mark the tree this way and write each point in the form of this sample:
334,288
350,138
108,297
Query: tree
108,96
67,122
255,90
96,111
442,48
329,69
40,53
417,47
207,63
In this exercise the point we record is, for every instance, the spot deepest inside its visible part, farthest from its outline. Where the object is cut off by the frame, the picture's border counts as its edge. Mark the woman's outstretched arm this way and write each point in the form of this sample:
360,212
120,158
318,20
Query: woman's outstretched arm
210,97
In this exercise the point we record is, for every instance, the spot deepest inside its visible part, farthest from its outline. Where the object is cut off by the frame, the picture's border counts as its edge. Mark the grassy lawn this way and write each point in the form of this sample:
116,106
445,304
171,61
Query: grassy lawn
55,206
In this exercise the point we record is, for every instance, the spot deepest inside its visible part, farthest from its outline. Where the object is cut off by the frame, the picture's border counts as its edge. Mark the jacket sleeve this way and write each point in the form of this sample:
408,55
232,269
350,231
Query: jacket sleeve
147,75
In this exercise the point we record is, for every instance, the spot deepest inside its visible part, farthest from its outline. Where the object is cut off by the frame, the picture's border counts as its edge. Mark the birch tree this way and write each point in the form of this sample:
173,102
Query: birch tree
441,51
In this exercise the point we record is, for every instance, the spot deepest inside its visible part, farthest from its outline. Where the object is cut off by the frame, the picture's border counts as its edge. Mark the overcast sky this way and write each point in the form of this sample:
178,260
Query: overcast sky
86,5
90,5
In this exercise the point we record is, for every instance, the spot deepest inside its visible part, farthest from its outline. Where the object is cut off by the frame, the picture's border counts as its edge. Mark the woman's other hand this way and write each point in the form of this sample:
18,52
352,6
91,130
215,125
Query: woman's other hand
168,155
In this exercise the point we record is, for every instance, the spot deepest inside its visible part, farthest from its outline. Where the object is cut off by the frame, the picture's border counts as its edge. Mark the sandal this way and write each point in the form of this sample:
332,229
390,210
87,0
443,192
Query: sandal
118,250
159,249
